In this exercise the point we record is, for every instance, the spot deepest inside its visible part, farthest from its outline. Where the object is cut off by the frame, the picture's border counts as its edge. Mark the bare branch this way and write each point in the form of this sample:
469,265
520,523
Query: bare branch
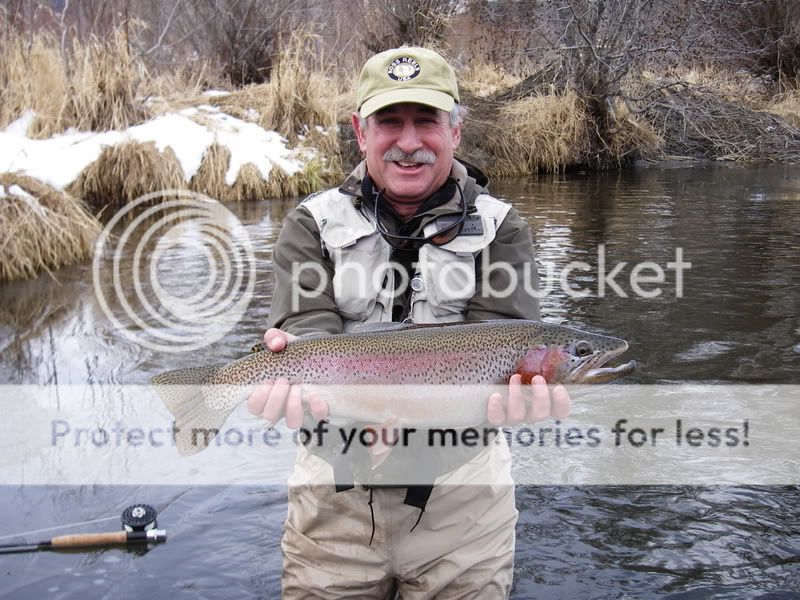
164,31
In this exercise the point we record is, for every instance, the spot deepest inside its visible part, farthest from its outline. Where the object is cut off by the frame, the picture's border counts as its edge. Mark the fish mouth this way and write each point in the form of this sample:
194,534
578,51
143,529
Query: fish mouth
594,371
603,374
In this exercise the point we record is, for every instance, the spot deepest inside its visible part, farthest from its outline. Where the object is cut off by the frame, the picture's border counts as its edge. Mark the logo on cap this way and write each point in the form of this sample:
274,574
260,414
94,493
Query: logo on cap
403,69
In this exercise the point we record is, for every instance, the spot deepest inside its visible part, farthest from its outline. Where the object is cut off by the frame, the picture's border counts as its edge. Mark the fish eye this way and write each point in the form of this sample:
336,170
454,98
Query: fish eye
583,348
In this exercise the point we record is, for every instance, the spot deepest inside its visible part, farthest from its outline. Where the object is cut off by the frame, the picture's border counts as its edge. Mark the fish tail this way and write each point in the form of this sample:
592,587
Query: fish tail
196,423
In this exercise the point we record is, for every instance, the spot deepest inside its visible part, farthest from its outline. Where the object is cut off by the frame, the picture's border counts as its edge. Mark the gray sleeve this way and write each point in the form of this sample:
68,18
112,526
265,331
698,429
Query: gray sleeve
512,246
295,309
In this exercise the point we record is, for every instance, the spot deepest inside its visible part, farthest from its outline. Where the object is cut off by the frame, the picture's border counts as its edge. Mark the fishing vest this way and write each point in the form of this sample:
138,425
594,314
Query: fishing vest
364,287
364,278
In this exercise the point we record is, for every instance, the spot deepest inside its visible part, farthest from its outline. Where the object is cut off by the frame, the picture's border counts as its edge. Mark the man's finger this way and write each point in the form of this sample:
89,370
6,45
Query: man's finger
257,400
273,411
275,340
516,408
561,402
294,408
540,404
319,408
494,410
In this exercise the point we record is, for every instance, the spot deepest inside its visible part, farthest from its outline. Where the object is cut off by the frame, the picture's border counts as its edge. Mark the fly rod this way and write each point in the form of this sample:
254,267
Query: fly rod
138,526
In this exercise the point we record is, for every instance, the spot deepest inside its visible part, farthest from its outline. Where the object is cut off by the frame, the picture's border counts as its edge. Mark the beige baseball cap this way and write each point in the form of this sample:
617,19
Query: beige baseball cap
406,74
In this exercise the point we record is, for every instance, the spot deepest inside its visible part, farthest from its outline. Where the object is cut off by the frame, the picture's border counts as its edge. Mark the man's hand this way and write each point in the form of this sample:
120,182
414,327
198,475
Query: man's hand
275,399
543,404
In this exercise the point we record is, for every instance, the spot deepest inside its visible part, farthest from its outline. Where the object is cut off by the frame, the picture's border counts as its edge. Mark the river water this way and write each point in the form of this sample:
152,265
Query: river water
735,319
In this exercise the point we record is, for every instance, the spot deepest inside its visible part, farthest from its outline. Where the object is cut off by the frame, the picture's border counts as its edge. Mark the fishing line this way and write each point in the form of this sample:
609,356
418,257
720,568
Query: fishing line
56,527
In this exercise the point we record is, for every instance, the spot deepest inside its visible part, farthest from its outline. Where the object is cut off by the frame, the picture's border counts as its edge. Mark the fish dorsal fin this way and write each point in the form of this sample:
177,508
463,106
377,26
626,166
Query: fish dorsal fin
393,326
382,326
405,326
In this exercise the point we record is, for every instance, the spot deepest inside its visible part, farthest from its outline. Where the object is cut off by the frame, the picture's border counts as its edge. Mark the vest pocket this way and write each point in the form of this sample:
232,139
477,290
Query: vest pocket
360,271
449,280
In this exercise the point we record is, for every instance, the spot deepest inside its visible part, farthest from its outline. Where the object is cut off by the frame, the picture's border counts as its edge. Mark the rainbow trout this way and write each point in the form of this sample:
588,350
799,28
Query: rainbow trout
420,375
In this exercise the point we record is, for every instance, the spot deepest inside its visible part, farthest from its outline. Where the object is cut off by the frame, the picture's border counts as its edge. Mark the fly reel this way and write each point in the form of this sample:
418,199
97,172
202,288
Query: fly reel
139,517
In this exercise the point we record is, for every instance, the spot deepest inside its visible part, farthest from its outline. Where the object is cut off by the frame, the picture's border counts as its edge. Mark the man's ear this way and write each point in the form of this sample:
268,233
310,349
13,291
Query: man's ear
456,131
360,135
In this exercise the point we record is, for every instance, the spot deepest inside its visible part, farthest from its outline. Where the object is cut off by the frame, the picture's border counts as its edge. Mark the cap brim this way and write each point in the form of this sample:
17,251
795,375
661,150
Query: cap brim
433,98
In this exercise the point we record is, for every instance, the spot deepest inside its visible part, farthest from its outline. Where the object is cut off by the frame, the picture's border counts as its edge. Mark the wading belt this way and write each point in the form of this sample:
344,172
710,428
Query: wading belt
417,495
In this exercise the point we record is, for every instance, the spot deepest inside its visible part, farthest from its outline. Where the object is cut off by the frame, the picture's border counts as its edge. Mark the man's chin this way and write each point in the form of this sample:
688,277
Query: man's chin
406,192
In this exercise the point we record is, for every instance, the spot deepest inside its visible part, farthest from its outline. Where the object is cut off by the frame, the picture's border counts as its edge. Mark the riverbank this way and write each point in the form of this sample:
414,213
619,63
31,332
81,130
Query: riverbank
101,130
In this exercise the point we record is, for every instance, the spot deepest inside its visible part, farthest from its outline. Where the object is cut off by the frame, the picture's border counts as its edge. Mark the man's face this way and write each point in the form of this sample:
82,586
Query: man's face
409,151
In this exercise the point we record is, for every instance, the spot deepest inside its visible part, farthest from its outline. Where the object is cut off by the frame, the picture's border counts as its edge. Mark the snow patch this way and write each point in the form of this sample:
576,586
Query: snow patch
249,143
187,139
18,191
31,201
21,125
59,160
56,161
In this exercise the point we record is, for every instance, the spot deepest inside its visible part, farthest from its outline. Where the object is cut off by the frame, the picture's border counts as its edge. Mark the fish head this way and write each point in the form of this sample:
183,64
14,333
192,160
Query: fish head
567,355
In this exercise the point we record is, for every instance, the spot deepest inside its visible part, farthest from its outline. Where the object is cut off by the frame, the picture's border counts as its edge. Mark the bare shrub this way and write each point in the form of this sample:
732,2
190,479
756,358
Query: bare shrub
393,23
697,122
772,28
591,47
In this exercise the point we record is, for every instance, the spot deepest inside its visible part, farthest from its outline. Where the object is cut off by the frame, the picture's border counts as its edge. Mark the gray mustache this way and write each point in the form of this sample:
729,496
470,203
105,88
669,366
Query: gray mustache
419,156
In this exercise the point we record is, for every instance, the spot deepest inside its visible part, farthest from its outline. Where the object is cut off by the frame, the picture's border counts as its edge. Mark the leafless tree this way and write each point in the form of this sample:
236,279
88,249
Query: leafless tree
392,23
762,36
590,46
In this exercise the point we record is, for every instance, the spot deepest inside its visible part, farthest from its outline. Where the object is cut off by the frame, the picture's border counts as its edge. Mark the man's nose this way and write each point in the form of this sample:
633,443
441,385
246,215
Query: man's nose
409,140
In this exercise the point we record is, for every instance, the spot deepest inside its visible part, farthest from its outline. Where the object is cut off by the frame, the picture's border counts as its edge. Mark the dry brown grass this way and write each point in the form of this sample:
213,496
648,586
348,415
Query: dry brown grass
484,79
300,97
94,86
630,137
548,133
249,185
124,172
102,87
739,86
542,133
45,232
299,94
787,105
210,177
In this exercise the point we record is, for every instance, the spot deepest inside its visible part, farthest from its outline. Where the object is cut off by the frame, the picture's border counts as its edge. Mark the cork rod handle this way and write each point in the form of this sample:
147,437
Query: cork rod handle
90,539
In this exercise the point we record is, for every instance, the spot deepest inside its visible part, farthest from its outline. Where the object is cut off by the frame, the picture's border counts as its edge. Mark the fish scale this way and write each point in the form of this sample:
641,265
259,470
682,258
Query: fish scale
370,375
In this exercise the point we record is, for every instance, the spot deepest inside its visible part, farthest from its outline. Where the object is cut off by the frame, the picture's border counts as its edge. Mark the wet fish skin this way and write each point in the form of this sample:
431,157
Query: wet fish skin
423,375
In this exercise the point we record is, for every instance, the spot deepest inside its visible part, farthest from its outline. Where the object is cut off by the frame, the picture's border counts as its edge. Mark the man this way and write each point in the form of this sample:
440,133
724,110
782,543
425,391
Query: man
405,213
